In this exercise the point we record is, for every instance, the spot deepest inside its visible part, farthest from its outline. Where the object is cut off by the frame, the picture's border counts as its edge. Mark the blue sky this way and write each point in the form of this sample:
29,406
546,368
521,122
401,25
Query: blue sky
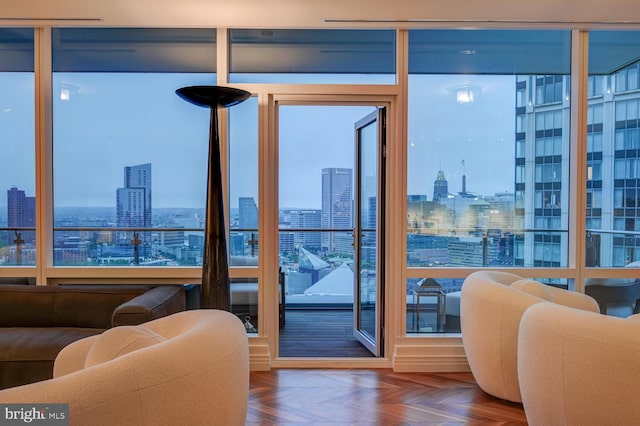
17,133
443,132
313,138
115,120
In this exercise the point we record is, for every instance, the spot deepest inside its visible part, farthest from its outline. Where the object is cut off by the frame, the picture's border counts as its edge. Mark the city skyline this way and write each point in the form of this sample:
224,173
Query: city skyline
143,186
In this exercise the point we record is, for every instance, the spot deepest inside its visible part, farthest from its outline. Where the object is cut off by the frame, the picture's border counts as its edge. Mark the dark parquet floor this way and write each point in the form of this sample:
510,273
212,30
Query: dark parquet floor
318,397
320,333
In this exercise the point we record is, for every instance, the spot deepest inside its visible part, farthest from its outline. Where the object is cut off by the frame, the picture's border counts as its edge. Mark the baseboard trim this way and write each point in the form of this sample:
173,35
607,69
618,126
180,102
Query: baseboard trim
436,355
410,355
259,354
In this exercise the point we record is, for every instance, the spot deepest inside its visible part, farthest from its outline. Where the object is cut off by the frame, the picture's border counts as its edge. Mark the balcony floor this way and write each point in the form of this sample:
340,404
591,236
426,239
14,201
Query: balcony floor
318,333
327,333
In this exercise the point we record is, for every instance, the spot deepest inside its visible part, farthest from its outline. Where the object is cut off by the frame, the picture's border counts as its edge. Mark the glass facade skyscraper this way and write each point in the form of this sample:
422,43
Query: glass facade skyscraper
337,209
612,169
542,170
247,213
307,218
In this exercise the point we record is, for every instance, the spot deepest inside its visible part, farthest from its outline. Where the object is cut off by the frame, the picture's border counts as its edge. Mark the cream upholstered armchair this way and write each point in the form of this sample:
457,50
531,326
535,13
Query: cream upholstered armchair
189,368
579,368
491,306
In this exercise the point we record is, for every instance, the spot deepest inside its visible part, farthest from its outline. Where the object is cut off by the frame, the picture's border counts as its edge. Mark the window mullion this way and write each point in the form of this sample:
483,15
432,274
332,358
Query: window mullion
578,154
44,153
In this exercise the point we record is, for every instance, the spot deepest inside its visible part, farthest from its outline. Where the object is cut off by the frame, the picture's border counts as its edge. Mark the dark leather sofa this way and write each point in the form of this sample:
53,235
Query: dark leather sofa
36,322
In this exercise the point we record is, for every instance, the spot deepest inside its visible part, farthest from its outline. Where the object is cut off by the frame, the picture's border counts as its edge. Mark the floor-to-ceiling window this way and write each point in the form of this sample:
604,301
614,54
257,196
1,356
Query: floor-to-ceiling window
488,160
488,146
17,149
613,168
129,156
243,183
243,211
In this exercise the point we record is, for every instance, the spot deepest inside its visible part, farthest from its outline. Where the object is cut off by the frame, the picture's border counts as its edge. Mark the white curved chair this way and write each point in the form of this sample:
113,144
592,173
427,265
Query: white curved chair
491,305
579,368
189,368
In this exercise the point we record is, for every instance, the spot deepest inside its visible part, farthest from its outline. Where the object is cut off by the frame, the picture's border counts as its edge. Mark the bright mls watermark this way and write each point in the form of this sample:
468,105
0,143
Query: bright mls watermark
34,414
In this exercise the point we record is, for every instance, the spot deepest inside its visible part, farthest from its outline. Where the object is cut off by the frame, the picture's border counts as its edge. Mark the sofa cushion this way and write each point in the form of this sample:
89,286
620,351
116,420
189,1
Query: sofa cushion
156,303
89,306
92,305
119,341
27,354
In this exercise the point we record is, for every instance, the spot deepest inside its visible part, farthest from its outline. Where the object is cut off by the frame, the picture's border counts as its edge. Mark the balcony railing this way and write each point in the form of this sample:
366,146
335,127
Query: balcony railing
482,247
611,248
178,246
17,246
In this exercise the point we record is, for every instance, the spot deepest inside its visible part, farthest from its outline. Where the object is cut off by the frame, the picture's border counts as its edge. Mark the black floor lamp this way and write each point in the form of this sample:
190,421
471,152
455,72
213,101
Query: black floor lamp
215,268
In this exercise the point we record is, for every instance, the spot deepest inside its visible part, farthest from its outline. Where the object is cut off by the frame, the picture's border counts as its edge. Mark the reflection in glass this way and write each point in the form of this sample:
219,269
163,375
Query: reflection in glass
244,302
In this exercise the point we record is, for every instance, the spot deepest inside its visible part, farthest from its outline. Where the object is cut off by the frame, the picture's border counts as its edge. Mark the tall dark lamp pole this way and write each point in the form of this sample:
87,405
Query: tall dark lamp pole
215,268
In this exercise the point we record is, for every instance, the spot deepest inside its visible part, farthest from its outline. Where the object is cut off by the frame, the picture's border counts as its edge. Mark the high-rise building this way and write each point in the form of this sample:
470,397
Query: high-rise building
542,109
301,219
247,213
133,202
613,187
440,187
246,242
542,117
21,213
237,244
337,209
285,242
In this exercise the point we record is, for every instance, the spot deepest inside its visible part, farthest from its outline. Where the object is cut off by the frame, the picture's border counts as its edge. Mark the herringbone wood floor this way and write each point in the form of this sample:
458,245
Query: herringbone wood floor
373,397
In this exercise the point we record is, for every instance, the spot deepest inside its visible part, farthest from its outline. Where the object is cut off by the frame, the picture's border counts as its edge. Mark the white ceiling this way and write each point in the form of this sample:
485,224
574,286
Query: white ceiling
316,13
